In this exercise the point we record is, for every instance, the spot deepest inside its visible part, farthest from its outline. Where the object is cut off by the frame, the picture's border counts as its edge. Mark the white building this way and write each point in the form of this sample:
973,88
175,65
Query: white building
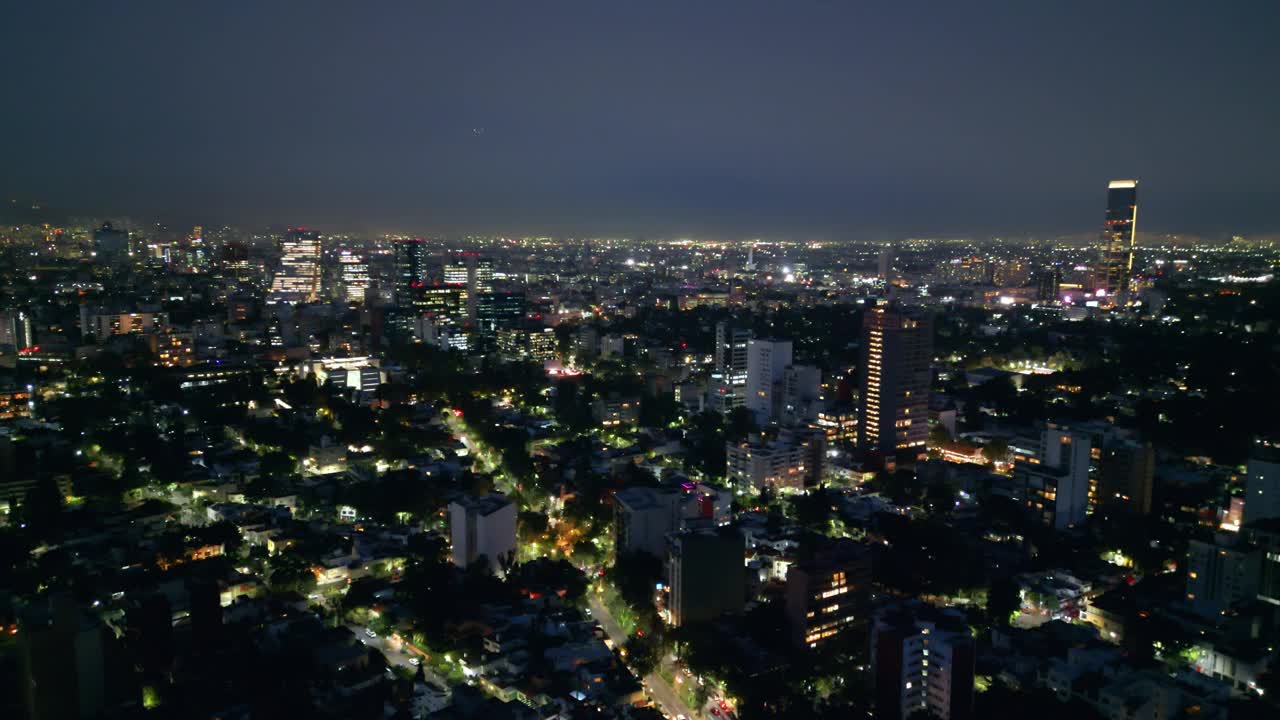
643,517
483,527
923,662
757,464
766,362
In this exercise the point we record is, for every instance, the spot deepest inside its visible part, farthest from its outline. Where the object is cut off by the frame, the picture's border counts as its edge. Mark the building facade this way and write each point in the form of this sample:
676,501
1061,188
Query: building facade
893,406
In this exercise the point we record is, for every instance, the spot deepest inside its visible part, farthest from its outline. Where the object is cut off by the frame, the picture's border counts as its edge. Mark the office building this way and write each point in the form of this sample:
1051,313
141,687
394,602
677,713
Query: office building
483,527
1222,574
922,659
354,277
110,246
893,407
826,597
706,574
731,352
643,517
1126,477
1048,282
1053,484
411,265
16,330
1115,256
767,361
1262,486
474,273
297,278
499,310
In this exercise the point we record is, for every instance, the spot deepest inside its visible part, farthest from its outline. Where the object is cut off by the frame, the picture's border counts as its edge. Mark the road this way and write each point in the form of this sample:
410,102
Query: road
396,658
663,694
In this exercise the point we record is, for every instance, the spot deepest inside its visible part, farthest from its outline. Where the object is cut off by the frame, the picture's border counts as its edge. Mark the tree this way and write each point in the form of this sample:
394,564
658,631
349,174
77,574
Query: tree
642,653
996,451
1002,601
289,572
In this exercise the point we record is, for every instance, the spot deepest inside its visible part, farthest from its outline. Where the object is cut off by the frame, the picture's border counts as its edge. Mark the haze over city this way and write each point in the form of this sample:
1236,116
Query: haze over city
868,120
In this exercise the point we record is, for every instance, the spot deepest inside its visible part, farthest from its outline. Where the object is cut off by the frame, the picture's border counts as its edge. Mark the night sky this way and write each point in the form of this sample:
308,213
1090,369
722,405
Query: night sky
802,119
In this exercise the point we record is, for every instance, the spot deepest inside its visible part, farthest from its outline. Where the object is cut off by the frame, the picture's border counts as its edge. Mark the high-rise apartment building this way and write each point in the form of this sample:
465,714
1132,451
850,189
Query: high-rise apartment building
767,361
297,277
1115,258
893,407
827,596
1053,484
483,527
801,394
731,352
1222,574
923,662
707,574
1126,477
643,517
1262,486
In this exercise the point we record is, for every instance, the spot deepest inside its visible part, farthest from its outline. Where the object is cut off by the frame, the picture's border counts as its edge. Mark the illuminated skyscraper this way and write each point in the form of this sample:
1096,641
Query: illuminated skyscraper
472,271
410,271
110,245
1115,260
355,276
298,276
893,409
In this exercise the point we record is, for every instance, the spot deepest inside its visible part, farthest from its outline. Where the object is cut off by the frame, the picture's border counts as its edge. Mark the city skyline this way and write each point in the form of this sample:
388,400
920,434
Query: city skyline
831,121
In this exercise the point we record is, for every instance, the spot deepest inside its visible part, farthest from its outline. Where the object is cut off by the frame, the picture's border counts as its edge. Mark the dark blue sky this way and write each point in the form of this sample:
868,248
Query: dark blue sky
840,119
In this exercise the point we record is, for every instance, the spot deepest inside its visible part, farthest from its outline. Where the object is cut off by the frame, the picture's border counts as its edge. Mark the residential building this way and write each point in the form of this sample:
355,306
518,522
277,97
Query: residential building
483,527
754,463
826,597
707,575
1127,475
801,391
1262,486
922,659
767,361
1054,484
893,406
643,517
1222,574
